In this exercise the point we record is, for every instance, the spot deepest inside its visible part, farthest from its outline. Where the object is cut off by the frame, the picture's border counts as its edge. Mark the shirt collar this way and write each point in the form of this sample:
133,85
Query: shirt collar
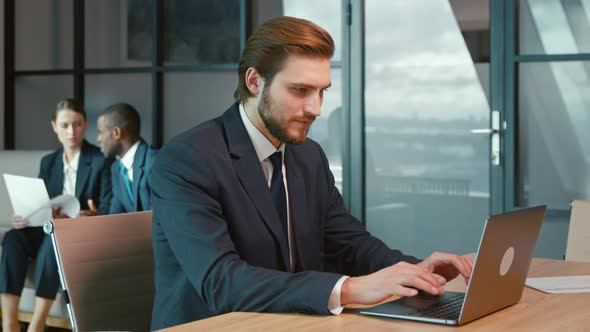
262,145
73,163
129,156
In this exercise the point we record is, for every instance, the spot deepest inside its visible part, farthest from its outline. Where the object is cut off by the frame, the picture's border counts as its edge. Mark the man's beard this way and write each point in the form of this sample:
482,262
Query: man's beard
272,124
113,151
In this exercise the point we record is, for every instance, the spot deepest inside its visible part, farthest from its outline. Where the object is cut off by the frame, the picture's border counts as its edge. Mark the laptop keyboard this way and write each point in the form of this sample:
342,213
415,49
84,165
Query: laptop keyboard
450,308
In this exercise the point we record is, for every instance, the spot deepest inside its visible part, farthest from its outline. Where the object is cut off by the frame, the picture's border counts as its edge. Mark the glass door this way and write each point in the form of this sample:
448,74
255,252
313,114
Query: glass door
427,123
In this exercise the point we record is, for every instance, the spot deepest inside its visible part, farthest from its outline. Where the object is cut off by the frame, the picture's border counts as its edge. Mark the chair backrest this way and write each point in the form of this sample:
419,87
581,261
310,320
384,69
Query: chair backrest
578,241
106,269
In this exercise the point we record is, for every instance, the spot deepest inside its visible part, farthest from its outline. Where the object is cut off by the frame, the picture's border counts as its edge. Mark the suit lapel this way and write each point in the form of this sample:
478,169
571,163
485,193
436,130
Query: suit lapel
55,185
249,171
84,169
138,163
297,206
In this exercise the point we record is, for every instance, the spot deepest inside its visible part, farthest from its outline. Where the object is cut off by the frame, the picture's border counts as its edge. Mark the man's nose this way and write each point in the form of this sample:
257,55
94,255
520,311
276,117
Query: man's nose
313,106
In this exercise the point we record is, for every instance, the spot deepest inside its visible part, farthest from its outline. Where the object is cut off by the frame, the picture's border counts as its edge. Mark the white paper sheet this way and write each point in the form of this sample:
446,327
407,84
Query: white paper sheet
29,199
28,196
571,284
69,204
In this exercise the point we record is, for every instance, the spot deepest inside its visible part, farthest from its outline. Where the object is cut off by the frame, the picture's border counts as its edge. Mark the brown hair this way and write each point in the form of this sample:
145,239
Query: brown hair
274,40
71,105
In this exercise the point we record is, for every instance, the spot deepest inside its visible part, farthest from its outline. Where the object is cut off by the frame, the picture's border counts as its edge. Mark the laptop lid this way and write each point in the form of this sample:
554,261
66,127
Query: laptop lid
502,263
497,281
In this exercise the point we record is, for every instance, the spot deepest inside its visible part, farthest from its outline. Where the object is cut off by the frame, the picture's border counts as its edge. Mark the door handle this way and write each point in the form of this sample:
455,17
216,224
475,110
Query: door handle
494,133
484,131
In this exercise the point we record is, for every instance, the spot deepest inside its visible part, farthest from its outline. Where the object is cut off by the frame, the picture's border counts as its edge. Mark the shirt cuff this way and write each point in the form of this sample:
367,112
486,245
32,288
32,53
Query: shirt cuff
334,302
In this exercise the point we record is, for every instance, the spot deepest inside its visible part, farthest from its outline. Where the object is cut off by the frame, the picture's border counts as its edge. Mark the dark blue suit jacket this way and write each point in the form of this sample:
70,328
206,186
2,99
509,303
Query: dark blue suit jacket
141,185
93,178
218,240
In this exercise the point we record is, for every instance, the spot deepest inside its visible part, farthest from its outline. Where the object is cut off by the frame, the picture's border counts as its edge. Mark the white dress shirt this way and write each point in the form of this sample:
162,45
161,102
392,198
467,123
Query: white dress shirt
264,149
127,160
70,171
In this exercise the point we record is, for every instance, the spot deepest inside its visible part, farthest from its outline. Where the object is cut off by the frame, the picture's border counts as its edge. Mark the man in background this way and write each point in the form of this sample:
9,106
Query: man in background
119,135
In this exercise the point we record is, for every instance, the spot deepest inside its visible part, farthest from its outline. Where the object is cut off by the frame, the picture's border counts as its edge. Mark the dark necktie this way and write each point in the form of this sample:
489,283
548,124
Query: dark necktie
277,189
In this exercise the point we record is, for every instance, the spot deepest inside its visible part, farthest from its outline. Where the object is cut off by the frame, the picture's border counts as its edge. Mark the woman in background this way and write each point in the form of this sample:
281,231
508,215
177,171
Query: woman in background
77,168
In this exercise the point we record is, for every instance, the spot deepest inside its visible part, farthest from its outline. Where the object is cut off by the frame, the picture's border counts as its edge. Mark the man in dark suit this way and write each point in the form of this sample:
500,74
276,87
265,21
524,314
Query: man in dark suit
246,214
119,135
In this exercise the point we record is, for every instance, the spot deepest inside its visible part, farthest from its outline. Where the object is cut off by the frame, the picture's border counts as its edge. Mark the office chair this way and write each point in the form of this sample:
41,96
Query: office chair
106,269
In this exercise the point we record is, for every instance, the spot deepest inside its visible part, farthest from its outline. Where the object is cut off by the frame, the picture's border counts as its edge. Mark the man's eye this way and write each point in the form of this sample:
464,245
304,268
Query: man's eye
299,90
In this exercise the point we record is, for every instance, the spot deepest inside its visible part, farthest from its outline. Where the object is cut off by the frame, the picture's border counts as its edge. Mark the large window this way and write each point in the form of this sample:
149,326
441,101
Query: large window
427,174
328,129
548,54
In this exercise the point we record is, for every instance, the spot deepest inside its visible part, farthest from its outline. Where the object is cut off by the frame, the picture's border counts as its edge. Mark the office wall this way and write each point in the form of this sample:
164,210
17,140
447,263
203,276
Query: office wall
107,26
43,40
189,98
192,98
105,29
35,99
262,10
43,35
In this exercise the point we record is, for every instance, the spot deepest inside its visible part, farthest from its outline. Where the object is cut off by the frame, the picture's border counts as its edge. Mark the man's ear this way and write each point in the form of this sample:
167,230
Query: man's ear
254,81
117,133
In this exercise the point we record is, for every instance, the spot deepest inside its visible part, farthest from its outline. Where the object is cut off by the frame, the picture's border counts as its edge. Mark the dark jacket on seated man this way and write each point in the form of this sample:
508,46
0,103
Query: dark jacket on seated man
140,199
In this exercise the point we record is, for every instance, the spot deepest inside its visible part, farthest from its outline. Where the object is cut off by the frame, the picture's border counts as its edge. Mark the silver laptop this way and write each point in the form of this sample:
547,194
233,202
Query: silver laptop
497,281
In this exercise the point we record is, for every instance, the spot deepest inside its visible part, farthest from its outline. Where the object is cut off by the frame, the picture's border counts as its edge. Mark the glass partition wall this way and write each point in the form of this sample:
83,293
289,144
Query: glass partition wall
427,174
425,81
